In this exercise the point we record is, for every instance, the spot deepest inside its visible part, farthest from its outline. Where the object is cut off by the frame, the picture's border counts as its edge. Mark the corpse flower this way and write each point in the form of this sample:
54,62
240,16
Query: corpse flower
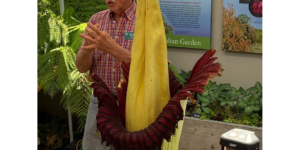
111,117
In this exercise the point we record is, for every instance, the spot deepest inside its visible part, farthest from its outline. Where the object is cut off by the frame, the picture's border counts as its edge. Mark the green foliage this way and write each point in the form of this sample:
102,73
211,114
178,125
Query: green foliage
84,8
77,95
58,43
177,75
182,77
253,120
233,105
76,40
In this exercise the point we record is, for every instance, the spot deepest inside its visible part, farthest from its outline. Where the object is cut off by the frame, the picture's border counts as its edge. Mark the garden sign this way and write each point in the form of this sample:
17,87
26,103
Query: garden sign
187,23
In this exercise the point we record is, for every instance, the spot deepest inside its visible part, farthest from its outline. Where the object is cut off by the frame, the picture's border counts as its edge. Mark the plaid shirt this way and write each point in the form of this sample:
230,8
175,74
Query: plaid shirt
104,65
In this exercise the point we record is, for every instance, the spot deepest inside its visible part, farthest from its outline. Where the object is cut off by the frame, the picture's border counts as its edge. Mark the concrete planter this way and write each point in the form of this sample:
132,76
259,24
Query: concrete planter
205,134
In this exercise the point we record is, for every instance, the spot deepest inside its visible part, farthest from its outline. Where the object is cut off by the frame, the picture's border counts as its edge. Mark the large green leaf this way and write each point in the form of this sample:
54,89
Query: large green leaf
222,86
252,99
230,103
222,103
233,90
212,113
184,74
248,110
221,99
258,86
205,93
198,111
248,92
255,107
205,103
241,91
241,103
206,110
173,68
204,117
215,94
202,98
234,97
212,85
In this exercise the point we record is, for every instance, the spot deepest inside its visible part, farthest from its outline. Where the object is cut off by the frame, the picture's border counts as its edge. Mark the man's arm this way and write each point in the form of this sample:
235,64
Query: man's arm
84,57
84,60
100,40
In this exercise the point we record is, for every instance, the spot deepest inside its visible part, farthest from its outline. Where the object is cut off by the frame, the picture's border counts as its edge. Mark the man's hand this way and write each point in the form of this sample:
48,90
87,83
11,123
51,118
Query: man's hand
97,39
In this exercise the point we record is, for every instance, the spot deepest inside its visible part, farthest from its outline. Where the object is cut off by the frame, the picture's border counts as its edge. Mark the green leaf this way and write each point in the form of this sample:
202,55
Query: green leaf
233,91
204,117
255,107
211,93
213,86
221,99
230,103
242,90
202,98
248,92
241,104
248,110
179,77
184,74
206,110
212,113
222,86
234,97
252,99
258,86
216,94
223,103
205,93
198,105
205,103
173,68
198,111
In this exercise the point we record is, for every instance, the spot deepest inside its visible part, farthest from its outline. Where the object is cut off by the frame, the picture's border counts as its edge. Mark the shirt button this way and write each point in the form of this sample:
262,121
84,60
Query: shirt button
117,37
129,18
114,21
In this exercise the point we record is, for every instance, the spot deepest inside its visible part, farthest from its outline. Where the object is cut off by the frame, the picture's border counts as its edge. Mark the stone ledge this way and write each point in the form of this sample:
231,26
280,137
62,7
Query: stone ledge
205,134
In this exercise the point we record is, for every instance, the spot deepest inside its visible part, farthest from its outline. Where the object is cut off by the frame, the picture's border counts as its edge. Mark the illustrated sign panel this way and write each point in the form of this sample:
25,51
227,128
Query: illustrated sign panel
242,26
187,23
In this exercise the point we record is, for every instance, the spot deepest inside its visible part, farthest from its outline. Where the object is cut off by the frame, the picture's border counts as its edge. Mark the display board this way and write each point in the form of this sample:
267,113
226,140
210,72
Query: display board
242,26
187,23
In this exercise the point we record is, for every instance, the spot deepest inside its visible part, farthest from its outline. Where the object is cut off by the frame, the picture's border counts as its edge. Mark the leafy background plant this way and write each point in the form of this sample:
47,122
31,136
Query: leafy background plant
58,43
222,102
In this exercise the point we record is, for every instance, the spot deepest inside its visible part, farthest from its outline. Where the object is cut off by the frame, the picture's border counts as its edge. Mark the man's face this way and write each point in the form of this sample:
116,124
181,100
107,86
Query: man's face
117,6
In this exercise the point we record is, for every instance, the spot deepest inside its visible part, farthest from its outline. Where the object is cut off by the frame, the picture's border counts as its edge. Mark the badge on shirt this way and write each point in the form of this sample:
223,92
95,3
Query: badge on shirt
129,35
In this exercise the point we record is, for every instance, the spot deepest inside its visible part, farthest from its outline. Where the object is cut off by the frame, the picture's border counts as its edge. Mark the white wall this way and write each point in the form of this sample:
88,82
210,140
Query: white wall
242,69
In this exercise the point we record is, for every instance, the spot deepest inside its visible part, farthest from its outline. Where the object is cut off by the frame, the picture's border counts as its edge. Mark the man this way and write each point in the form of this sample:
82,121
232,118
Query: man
107,42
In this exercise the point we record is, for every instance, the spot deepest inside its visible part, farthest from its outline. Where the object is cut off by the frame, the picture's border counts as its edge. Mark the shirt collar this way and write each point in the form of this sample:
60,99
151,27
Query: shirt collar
129,12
